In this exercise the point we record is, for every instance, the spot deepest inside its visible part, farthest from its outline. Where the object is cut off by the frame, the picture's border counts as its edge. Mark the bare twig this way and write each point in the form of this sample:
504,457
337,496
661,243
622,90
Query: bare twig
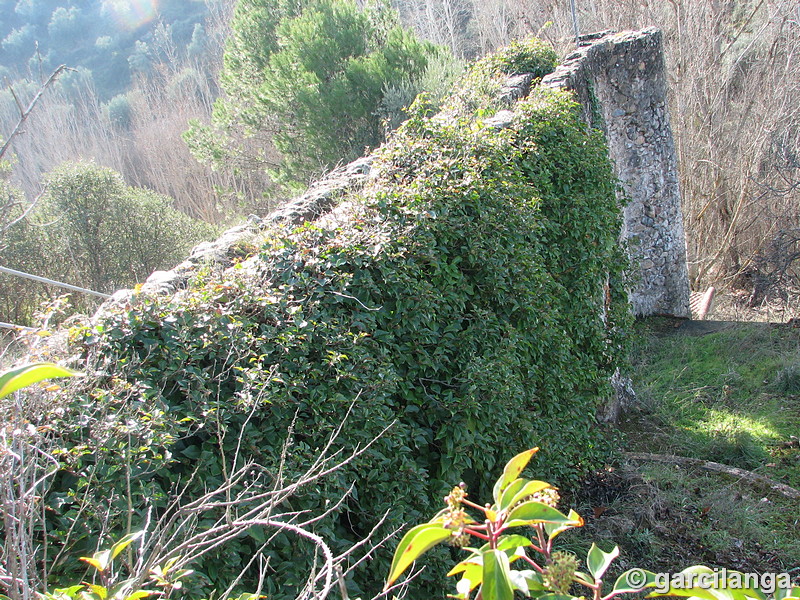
25,113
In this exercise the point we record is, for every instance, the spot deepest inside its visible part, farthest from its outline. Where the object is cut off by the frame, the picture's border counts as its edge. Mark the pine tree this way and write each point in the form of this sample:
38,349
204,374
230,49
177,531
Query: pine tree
311,74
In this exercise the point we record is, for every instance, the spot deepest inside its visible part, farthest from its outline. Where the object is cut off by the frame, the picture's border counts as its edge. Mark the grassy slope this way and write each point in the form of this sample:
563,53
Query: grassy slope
726,392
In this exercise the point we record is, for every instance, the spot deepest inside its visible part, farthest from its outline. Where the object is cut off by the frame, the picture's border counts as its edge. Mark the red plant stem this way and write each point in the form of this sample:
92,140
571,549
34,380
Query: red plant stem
613,594
532,563
597,588
536,548
542,540
476,534
473,505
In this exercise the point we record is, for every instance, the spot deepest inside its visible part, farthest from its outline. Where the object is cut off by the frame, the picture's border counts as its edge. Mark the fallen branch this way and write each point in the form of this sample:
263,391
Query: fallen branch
708,465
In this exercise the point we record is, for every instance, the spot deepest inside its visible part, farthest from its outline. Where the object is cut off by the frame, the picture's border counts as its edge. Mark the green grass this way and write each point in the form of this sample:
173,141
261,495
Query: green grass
729,394
732,396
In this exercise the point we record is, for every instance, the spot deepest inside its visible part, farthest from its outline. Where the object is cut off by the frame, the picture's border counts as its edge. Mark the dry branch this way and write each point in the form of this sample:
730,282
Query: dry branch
707,465
24,114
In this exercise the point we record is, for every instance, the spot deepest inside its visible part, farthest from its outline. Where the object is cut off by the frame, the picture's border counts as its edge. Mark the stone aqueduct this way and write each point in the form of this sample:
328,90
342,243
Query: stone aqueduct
620,81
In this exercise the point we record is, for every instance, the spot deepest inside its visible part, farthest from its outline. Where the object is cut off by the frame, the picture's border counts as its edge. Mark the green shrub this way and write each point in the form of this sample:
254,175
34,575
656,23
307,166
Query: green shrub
522,56
119,111
461,305
114,235
20,248
478,91
90,230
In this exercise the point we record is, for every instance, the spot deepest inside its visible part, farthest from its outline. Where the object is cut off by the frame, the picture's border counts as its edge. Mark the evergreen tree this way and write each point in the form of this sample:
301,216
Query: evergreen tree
312,74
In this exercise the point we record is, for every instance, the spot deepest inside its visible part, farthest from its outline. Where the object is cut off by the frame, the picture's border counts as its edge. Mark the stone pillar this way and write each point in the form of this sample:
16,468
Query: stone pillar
621,83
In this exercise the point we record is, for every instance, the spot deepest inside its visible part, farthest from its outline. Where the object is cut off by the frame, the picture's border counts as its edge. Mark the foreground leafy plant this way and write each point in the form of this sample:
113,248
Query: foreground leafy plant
549,574
20,377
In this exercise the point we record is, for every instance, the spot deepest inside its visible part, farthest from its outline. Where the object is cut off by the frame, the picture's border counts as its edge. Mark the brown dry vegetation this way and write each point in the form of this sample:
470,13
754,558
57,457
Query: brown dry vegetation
734,79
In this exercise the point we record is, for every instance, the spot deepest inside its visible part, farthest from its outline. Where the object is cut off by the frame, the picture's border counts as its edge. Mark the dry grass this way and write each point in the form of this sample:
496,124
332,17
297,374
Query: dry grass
733,305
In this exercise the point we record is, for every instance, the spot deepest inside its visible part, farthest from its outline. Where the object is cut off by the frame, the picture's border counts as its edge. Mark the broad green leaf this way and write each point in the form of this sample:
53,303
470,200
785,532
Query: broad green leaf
514,493
509,492
496,581
415,543
787,593
16,379
534,580
518,582
529,582
532,512
634,580
554,529
510,543
124,543
139,594
99,560
248,596
463,589
511,471
699,581
472,573
474,560
98,591
92,561
599,561
67,592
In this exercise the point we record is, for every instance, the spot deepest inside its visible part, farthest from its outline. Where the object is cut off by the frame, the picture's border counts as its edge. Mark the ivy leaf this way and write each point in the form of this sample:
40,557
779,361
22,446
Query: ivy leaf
511,472
416,542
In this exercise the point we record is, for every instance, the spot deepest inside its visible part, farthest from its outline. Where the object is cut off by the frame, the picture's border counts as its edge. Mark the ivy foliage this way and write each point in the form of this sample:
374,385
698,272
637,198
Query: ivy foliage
460,301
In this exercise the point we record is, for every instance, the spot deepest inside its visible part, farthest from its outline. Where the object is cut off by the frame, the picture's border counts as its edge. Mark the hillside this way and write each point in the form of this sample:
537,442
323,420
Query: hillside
108,42
274,409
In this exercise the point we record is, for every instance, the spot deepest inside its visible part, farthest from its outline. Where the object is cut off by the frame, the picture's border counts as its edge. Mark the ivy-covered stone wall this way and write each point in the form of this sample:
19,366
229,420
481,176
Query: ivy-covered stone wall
621,83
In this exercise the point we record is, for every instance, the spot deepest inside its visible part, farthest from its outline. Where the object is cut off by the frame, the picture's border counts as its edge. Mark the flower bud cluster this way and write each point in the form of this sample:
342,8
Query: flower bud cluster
547,496
456,517
559,572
